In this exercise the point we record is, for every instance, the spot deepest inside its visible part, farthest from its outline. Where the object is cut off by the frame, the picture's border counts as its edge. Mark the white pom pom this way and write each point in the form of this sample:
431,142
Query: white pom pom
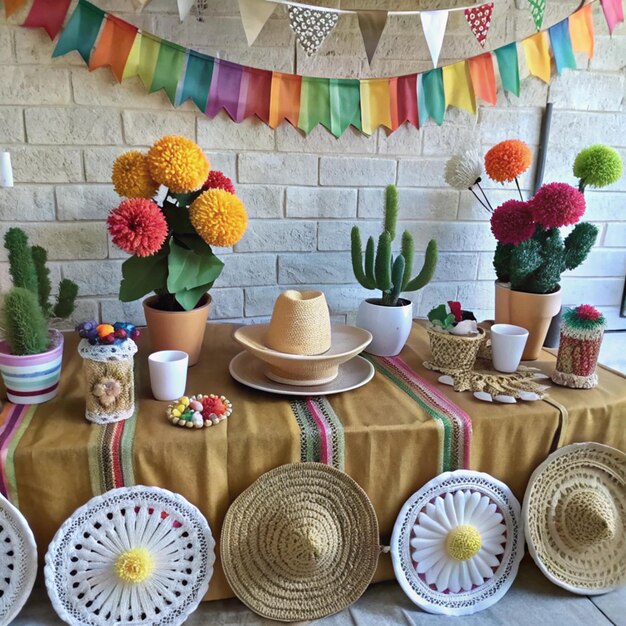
463,170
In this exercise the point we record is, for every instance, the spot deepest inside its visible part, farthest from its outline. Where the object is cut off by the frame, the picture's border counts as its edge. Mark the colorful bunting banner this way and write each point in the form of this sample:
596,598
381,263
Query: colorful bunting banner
372,24
562,47
613,13
254,14
479,20
311,27
274,97
537,10
581,30
47,14
434,27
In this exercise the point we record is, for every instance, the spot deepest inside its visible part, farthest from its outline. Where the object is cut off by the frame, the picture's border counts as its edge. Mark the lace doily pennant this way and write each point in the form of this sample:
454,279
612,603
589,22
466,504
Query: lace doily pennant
311,27
479,20
537,9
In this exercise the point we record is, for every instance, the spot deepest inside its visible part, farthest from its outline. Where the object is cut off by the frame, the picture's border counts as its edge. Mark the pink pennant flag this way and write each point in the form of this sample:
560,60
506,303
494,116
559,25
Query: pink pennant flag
613,12
479,20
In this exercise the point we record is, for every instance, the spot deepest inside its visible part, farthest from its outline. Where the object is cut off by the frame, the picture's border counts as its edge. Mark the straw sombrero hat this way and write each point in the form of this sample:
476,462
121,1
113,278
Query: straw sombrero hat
575,518
457,543
299,345
300,543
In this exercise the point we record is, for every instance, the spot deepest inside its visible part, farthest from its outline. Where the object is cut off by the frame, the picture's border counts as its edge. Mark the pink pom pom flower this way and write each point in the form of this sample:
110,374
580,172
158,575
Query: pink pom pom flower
512,222
217,180
138,226
557,204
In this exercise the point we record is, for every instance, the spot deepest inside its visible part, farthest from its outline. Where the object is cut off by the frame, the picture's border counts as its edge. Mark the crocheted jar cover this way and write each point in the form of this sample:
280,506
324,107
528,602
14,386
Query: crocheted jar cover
575,518
453,353
456,544
135,555
109,381
18,561
577,358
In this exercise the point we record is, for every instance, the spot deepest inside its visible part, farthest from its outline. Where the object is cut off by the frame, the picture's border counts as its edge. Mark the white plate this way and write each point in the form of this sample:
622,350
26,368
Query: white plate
250,371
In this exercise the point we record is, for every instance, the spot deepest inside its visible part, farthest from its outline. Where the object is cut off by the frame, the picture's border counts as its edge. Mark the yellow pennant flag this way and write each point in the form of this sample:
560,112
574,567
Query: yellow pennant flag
457,87
132,62
537,51
375,104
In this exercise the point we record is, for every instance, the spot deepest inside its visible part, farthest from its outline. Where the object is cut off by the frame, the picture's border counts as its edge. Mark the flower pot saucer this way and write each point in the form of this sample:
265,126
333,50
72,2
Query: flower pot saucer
250,371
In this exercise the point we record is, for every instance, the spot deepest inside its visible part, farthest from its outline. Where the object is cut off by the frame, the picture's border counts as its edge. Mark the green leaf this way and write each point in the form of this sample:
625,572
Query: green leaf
193,242
439,313
188,269
188,298
141,275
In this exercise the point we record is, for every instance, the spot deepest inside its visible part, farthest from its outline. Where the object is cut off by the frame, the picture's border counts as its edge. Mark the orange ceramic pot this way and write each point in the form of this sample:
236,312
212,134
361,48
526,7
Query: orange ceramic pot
177,330
503,295
534,312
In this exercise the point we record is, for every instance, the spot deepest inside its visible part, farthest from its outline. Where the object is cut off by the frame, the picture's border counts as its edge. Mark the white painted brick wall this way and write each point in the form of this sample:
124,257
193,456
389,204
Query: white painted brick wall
65,125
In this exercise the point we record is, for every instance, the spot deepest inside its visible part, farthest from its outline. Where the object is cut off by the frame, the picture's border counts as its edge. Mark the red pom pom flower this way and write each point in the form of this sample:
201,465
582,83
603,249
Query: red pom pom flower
138,226
587,312
512,222
217,180
557,204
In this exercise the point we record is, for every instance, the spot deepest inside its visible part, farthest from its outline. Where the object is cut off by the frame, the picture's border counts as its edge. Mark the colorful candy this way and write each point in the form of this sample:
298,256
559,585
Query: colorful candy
199,411
107,334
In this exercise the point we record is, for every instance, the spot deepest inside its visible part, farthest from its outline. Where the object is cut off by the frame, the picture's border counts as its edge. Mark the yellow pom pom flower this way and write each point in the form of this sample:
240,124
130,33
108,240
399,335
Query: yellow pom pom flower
135,565
131,176
219,217
178,163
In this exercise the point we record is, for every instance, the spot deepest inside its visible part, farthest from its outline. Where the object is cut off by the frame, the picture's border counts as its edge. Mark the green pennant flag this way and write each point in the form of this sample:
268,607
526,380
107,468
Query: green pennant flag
537,9
508,67
432,95
148,57
345,100
81,31
314,103
168,69
197,80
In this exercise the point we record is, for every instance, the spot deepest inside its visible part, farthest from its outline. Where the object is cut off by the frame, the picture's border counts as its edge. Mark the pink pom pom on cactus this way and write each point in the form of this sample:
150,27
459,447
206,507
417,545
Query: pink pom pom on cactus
512,222
557,204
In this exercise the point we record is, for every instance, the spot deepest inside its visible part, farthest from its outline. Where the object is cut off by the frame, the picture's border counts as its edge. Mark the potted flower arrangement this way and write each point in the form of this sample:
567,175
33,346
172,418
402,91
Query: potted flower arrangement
31,353
171,235
389,317
455,338
531,254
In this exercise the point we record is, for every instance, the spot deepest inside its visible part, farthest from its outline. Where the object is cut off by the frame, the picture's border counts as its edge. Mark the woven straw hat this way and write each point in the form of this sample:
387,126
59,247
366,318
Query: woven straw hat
457,543
300,323
575,518
300,543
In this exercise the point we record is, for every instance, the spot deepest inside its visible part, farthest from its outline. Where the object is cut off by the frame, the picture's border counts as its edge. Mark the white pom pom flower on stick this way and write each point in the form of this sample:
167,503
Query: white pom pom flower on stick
464,171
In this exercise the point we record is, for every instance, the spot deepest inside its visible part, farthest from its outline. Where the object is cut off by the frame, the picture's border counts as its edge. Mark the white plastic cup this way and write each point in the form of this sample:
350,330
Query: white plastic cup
168,374
507,346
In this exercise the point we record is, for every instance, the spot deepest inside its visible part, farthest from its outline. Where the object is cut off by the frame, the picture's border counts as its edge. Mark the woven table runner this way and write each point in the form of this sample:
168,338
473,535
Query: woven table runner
453,423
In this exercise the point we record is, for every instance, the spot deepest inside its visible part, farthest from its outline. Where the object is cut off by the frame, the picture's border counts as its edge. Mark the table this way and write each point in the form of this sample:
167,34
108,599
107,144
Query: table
391,436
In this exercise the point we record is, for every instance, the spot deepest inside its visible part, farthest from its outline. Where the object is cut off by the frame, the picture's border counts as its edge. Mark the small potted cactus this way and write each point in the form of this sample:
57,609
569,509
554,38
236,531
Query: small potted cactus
31,353
389,317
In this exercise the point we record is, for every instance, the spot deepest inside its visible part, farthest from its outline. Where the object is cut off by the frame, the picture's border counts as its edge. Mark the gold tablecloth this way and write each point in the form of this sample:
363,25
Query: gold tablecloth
53,460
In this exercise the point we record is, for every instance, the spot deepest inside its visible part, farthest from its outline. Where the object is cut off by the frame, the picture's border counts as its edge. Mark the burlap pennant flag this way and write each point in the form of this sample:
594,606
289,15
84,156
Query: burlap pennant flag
311,26
479,20
254,14
434,27
537,9
372,24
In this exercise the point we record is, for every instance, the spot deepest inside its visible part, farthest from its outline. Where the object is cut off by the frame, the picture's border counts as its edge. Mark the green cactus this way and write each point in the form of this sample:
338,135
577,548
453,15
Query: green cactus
379,269
535,265
27,307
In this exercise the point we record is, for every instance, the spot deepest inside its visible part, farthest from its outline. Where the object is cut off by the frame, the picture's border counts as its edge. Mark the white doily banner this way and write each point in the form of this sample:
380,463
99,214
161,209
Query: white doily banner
311,27
434,26
254,14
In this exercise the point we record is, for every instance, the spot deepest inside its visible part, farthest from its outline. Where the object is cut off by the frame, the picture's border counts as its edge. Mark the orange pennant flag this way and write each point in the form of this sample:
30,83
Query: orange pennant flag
11,6
375,104
285,99
114,46
483,77
581,30
457,87
537,51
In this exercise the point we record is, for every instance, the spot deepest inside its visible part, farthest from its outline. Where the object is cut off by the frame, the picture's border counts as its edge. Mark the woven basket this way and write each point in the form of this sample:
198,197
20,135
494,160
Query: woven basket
454,352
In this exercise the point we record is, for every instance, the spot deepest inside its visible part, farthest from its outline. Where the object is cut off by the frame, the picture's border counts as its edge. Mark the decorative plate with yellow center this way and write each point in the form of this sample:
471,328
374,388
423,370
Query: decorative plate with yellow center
456,544
135,555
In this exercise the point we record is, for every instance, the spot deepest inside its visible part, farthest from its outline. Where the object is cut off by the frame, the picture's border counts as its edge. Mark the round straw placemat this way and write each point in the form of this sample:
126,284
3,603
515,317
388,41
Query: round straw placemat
575,518
300,543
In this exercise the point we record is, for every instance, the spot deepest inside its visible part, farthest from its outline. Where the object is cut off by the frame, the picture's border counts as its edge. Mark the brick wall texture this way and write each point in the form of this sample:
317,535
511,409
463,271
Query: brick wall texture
64,126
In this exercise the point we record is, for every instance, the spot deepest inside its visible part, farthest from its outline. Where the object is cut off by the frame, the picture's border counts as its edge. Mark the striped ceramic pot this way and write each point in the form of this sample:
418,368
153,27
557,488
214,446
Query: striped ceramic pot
33,378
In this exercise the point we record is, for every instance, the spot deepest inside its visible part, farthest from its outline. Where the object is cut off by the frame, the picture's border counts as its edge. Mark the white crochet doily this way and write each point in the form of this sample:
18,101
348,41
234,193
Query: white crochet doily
457,543
18,561
114,352
83,559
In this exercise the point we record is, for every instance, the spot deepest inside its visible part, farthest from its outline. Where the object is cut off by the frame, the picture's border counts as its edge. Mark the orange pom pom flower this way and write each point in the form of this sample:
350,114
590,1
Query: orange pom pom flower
219,217
507,160
178,163
131,176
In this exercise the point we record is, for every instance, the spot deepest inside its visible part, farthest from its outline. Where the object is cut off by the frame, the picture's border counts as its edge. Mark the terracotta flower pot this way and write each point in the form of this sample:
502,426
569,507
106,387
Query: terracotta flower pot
177,330
503,295
534,312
